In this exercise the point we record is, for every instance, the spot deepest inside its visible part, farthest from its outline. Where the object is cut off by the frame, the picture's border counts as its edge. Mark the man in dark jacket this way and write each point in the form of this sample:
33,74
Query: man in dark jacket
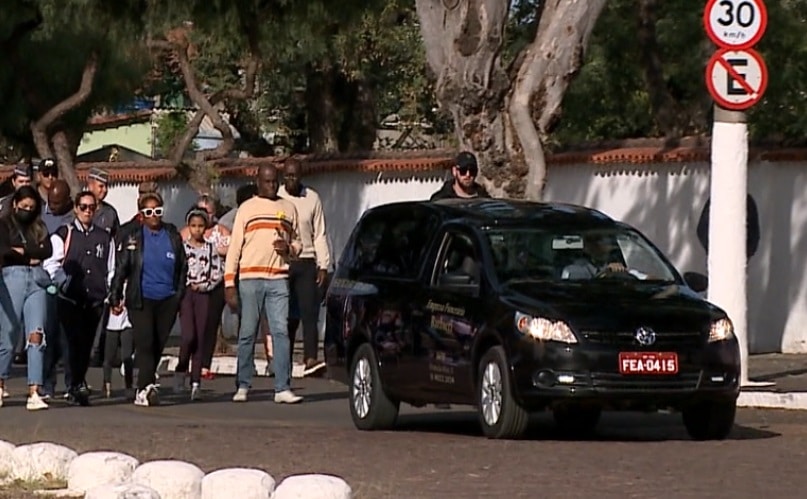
463,184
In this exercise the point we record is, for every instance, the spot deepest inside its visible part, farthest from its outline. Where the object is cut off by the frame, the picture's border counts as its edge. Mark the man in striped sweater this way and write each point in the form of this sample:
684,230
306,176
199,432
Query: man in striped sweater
265,238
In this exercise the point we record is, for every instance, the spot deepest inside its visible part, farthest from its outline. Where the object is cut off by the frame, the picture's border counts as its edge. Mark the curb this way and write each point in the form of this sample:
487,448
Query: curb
227,365
794,401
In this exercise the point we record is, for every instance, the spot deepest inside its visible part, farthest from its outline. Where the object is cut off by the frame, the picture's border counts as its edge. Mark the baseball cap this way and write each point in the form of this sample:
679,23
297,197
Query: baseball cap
23,170
466,161
47,165
99,175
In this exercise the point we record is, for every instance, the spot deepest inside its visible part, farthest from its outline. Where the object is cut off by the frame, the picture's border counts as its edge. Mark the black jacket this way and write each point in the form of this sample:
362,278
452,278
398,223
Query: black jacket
129,266
447,191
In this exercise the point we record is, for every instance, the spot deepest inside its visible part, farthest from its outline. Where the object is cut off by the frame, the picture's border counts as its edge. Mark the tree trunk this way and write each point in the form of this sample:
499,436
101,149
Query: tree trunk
358,128
65,146
503,117
323,115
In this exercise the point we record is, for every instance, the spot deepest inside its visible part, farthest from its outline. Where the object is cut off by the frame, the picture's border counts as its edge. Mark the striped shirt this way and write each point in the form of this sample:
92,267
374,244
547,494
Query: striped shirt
258,224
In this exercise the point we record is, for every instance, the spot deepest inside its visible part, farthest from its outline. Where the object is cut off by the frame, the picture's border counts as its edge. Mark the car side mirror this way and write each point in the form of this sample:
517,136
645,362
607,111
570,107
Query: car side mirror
459,283
697,281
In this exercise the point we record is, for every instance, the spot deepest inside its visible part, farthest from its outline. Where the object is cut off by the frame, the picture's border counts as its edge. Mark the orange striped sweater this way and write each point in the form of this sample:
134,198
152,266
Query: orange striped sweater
259,222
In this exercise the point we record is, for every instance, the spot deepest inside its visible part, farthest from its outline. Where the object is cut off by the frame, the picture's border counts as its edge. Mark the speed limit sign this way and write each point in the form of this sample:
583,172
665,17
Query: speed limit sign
735,24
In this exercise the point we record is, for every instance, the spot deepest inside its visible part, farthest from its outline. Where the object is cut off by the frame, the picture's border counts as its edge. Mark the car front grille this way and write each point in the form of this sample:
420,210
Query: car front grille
663,340
615,381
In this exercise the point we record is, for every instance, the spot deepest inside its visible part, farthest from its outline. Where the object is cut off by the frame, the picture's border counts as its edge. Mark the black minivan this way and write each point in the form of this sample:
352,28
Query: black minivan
515,307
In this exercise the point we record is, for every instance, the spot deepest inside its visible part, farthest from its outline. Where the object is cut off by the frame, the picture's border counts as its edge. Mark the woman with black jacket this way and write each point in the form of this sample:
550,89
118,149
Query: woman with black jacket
151,262
23,289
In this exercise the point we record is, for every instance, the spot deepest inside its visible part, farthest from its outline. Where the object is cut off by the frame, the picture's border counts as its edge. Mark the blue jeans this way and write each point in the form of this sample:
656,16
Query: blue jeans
23,305
256,296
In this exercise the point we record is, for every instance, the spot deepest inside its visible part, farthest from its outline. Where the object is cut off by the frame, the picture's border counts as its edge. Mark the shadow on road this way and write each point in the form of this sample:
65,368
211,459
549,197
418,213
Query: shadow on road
614,427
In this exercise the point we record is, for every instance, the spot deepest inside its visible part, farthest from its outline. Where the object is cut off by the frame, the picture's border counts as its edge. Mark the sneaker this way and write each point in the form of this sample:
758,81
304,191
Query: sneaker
35,403
287,397
196,391
241,395
312,366
79,396
297,370
153,394
141,399
5,393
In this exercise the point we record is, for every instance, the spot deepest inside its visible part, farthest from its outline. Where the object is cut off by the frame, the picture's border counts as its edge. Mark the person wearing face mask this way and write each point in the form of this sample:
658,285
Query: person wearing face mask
151,263
24,289
219,236
81,265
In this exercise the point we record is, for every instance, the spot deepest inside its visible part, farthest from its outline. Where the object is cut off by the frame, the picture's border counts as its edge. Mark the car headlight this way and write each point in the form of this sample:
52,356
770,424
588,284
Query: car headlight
721,330
544,329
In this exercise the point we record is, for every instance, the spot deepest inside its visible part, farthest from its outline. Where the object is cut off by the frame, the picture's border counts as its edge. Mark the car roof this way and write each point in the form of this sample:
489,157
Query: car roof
491,211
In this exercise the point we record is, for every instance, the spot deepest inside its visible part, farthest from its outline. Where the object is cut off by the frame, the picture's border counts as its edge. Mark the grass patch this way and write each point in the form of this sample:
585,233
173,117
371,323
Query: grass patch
25,489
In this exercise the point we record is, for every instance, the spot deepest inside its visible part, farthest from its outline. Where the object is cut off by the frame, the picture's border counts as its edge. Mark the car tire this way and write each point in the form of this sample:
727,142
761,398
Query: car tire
499,414
711,420
576,420
370,407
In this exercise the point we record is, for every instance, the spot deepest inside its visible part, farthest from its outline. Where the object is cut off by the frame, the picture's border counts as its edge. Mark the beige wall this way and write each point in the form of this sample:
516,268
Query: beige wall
663,201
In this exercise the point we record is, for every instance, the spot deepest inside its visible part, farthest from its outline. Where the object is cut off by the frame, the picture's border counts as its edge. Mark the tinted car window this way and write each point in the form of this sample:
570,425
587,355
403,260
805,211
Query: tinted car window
574,254
392,242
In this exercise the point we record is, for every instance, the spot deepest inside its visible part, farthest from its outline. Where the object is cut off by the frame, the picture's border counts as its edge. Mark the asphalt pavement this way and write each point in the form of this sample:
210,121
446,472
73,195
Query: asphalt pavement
433,452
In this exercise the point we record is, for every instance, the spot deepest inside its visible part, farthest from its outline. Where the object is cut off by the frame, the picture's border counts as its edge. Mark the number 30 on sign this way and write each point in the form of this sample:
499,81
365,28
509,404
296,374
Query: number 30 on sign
735,24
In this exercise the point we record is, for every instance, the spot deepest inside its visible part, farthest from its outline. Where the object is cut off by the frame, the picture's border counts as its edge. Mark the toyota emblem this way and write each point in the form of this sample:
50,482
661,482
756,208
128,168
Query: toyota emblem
645,336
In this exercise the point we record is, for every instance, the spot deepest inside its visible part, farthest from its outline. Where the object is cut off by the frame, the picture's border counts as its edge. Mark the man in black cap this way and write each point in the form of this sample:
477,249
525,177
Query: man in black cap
22,175
106,216
463,185
46,174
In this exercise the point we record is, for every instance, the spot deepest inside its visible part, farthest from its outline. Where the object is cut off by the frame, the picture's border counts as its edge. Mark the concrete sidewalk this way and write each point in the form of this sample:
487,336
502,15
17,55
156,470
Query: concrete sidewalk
787,372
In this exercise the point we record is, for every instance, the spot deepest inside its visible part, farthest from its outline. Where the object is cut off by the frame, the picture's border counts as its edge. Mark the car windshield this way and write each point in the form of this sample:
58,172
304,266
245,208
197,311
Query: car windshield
575,254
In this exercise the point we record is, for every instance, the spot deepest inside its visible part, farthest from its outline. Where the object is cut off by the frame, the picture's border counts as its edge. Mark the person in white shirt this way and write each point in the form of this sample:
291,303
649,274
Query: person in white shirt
308,273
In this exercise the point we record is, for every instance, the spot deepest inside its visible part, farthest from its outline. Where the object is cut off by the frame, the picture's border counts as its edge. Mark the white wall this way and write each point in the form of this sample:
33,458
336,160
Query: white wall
664,201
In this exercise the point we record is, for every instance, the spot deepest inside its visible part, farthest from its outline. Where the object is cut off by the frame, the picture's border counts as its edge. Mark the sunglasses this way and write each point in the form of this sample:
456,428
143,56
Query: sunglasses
49,174
152,212
464,170
87,207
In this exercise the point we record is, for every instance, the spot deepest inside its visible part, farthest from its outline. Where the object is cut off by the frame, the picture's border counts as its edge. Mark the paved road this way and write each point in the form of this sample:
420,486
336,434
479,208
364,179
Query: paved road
434,453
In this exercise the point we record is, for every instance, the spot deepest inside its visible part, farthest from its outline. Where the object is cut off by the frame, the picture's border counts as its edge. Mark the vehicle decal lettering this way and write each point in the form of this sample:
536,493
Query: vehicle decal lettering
445,307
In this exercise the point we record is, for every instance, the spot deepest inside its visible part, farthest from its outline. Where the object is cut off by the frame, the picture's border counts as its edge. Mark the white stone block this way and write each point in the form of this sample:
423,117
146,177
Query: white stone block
171,479
6,463
122,491
41,461
243,483
100,468
314,485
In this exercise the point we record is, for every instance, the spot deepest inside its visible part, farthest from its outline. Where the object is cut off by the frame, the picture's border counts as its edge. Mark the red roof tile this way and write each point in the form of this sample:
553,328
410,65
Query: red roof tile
415,161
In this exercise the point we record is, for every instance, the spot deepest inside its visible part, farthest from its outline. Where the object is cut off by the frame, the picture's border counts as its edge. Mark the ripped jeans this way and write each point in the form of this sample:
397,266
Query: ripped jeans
23,305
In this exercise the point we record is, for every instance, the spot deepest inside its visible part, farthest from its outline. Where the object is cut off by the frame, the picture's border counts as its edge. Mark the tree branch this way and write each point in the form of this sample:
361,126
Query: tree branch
549,64
72,102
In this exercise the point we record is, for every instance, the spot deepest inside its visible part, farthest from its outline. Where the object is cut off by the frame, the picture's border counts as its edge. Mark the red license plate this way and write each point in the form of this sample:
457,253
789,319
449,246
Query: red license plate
648,363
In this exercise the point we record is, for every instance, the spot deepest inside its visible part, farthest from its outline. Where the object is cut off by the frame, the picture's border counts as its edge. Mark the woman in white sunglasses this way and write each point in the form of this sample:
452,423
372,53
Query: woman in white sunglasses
151,261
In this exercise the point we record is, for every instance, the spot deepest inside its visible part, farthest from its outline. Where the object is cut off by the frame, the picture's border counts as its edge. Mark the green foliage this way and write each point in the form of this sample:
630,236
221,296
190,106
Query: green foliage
50,59
170,126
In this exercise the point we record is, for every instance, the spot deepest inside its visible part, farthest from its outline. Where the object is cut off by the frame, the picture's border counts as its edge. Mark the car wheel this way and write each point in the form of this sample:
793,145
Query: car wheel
710,420
577,420
370,407
499,413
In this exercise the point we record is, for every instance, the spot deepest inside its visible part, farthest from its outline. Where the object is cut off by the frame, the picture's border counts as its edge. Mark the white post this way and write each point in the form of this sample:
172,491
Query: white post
727,225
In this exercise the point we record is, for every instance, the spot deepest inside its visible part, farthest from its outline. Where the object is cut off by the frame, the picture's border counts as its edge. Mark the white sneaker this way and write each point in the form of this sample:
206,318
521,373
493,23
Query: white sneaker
141,399
241,395
5,393
35,403
196,391
298,370
287,397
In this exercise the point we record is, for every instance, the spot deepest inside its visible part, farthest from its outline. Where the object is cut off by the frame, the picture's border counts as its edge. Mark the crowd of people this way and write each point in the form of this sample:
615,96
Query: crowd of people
80,289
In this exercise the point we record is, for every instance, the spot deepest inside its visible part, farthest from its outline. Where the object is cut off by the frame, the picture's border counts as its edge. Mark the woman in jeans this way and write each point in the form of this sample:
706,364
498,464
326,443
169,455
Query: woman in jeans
151,263
219,236
23,288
